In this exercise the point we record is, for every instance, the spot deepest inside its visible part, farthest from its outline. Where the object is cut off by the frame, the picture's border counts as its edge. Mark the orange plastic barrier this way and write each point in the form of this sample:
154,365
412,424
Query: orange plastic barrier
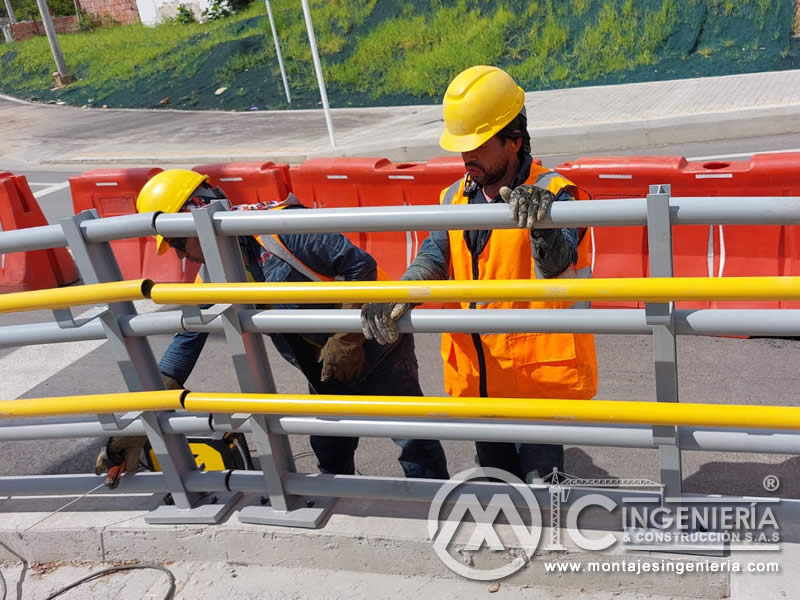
736,250
113,192
339,182
36,270
250,182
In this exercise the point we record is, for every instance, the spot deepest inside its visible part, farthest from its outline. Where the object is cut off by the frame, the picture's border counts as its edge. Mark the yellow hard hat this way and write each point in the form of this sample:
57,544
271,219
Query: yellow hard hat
168,192
478,103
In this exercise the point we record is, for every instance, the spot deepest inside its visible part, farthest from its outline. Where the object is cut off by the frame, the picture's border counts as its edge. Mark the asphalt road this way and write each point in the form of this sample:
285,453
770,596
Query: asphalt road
723,370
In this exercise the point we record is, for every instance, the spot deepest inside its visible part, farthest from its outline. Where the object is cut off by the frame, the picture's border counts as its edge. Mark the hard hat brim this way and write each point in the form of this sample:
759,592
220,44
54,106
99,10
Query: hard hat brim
464,143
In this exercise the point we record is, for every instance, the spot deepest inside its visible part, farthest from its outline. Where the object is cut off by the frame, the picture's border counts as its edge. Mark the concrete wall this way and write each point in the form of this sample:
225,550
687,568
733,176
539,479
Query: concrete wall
120,11
152,12
27,29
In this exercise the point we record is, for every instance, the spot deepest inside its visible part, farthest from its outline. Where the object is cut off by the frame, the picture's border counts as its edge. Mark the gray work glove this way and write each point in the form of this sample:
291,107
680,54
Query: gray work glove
529,204
342,357
378,321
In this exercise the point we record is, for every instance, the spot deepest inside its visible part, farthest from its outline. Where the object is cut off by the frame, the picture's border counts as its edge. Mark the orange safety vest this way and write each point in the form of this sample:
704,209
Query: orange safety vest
516,365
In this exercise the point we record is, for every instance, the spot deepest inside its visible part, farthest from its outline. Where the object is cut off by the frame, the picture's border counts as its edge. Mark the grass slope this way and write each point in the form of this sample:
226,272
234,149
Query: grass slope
405,52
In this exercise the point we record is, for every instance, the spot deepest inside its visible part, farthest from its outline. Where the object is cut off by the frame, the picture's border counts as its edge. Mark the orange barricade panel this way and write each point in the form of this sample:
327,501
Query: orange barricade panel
113,192
619,251
250,182
40,269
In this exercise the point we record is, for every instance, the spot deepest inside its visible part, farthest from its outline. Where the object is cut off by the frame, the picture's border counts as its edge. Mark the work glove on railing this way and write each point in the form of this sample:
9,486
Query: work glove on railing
342,357
121,454
378,320
529,204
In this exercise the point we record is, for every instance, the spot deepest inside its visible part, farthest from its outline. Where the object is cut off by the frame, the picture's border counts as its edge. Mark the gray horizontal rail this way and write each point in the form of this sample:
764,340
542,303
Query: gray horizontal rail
89,329
619,436
46,485
343,486
32,238
756,322
628,211
95,230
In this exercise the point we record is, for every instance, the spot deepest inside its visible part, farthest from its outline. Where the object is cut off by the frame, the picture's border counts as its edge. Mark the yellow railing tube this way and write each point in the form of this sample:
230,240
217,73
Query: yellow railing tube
93,404
584,411
99,293
649,290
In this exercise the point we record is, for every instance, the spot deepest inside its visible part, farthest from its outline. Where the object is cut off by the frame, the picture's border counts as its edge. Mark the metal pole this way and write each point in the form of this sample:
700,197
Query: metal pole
96,264
64,76
10,11
320,79
662,318
223,262
277,51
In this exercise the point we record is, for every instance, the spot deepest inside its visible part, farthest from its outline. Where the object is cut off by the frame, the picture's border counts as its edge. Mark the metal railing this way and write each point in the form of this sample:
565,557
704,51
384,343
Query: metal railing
270,417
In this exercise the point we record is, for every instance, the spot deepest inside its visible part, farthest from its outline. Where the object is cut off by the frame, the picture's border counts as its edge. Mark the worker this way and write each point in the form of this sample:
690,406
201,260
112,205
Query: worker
340,363
485,120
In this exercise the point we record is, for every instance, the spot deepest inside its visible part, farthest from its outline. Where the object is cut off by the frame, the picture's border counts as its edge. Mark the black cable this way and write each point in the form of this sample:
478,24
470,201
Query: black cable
170,593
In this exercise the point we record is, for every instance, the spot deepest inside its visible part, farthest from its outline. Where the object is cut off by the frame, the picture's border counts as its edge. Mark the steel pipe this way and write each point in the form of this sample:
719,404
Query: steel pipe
100,293
583,411
120,227
597,213
94,404
32,238
661,289
52,485
768,441
767,322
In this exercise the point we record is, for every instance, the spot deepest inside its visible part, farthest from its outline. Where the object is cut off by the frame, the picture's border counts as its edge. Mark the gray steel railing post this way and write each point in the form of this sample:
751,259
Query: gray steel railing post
223,262
97,264
661,317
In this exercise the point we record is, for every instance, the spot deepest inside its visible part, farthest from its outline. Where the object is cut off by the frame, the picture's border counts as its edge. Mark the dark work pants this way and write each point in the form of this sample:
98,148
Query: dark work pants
419,458
521,459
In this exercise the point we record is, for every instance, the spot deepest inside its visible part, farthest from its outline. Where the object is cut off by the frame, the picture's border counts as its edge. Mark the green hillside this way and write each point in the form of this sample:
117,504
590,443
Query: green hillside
405,52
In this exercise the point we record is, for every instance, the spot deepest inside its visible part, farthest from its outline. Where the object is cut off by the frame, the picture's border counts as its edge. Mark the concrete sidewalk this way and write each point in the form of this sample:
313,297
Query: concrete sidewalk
590,119
367,549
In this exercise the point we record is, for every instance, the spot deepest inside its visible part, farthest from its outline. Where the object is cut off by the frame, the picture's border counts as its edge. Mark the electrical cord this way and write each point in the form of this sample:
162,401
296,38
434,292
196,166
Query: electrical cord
170,593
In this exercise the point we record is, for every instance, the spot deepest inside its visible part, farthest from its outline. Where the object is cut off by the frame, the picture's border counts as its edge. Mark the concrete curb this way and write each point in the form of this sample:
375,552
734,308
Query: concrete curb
354,539
716,126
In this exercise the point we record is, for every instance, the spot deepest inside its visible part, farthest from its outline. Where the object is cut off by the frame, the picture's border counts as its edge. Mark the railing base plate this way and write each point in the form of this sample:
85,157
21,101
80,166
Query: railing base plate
309,517
205,514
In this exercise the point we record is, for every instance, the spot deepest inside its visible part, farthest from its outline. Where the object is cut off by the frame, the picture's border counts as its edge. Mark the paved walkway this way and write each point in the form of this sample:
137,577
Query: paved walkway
587,119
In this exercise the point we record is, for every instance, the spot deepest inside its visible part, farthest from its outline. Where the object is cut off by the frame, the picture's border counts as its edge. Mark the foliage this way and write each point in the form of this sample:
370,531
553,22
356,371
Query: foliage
406,51
185,15
28,10
217,9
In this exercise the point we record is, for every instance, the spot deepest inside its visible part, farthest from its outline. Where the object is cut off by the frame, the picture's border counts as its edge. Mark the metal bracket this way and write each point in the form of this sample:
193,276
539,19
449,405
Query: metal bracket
66,320
228,422
116,422
193,316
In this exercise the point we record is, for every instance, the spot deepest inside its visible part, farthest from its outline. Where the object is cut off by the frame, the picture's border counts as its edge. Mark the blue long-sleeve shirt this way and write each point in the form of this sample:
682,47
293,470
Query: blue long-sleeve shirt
331,255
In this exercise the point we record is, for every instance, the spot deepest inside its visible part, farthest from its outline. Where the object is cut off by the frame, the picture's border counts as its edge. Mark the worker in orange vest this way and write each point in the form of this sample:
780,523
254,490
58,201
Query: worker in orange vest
485,120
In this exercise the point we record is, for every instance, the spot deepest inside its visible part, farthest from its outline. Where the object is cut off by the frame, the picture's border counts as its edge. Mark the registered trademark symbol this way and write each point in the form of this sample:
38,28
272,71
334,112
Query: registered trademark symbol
771,483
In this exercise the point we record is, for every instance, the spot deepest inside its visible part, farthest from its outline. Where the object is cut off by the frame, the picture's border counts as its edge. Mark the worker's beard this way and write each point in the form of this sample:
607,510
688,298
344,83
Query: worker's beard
487,177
